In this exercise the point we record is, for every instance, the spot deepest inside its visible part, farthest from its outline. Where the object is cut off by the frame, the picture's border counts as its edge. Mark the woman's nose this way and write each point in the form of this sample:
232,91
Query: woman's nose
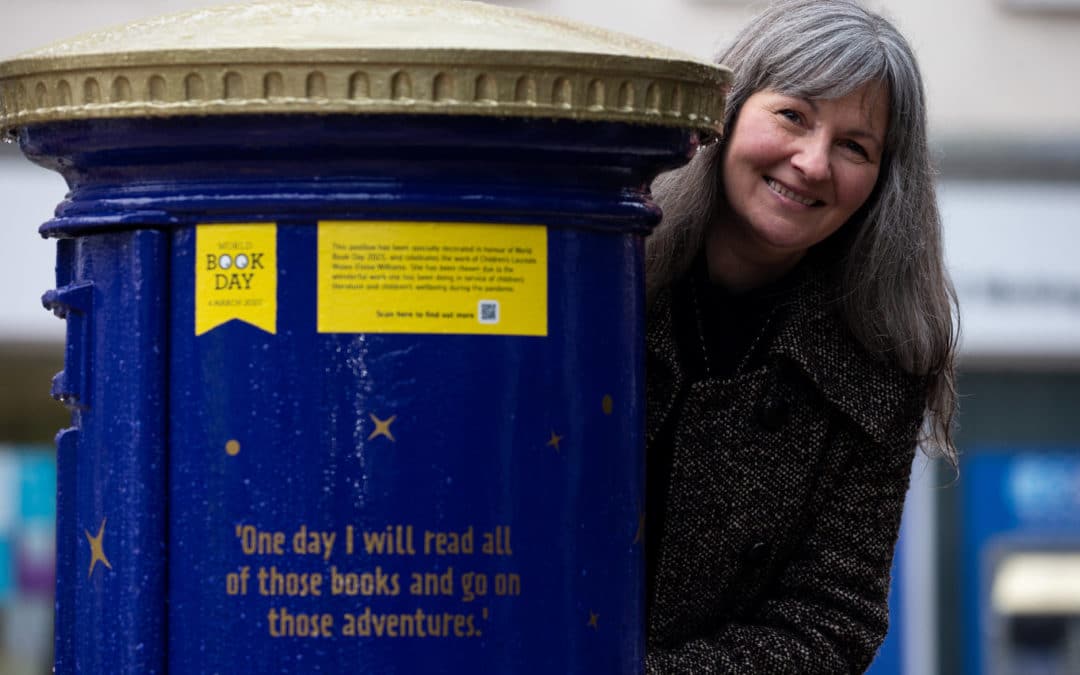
811,158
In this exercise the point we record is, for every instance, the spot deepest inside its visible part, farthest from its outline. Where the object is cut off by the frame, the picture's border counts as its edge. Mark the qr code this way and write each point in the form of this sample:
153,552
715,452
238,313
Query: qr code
488,311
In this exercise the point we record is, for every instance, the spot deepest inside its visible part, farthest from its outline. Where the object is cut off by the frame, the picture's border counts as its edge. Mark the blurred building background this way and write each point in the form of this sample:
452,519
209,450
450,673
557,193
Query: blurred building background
988,575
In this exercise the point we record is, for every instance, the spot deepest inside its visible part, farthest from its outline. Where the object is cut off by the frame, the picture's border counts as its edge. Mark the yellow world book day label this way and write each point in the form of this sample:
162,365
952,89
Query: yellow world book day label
465,278
236,275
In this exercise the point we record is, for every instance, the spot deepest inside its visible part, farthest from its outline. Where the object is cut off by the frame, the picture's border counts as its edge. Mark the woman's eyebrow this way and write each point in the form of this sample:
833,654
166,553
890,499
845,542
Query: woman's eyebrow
859,132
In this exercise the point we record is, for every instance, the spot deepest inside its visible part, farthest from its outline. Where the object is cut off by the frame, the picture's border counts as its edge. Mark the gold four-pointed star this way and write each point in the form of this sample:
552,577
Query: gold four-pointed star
594,620
553,442
97,549
382,427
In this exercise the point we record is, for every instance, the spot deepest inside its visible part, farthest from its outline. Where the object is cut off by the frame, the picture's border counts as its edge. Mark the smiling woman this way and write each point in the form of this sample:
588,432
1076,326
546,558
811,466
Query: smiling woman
800,337
794,171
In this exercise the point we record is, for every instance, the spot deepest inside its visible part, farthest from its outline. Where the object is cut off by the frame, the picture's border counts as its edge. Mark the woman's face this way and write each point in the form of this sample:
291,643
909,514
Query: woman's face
795,170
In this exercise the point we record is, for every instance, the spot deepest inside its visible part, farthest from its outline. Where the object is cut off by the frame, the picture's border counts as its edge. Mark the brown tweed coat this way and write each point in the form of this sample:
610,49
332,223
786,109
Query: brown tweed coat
783,500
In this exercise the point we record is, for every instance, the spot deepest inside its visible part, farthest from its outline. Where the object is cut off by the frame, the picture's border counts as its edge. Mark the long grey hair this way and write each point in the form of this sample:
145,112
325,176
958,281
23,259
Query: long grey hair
893,288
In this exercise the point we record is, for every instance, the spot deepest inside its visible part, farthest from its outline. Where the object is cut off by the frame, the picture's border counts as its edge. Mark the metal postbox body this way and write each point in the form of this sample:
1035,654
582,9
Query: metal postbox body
354,356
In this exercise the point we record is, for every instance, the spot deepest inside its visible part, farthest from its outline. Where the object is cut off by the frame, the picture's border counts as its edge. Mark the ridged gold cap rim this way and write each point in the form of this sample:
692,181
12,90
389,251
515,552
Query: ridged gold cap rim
602,77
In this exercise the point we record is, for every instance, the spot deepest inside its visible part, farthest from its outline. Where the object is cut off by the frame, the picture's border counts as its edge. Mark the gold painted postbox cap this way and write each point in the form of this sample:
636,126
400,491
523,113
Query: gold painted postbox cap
443,57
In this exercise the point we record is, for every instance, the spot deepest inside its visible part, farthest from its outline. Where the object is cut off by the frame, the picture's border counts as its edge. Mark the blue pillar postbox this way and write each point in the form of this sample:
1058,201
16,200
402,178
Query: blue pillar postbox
354,314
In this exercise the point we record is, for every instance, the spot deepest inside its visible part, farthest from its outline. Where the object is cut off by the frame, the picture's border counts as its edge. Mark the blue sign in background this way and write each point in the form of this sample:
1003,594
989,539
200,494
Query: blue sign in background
1012,500
27,515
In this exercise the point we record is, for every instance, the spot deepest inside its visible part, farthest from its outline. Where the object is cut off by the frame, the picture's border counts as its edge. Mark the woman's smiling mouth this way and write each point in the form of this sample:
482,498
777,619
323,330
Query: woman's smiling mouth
784,192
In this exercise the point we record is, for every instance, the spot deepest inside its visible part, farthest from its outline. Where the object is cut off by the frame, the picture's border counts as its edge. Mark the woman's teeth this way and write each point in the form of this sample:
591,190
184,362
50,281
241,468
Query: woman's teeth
784,192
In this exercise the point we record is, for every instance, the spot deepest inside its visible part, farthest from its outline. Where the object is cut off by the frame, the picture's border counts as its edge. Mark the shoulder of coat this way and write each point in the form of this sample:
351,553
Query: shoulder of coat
876,393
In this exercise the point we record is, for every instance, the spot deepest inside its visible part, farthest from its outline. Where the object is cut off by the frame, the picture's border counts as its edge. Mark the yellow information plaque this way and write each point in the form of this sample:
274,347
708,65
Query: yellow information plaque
408,277
236,275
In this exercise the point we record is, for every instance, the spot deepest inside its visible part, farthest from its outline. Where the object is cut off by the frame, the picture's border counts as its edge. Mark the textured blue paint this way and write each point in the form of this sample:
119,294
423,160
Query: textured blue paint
154,405
111,462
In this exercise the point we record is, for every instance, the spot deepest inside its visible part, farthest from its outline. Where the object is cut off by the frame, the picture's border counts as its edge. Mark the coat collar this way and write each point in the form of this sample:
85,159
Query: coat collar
869,389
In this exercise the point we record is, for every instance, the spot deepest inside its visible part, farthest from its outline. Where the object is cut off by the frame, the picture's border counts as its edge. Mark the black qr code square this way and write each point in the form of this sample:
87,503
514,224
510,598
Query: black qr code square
488,311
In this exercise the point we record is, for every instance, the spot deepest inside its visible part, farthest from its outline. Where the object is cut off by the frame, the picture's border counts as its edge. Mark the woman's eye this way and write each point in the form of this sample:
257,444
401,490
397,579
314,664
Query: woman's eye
791,115
857,149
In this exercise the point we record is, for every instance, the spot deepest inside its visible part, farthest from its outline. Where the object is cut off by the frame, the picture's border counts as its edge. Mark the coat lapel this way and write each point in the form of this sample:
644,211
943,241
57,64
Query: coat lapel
871,390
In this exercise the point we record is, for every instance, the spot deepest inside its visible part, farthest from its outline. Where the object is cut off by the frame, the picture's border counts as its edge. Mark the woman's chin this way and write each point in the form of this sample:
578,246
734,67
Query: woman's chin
781,243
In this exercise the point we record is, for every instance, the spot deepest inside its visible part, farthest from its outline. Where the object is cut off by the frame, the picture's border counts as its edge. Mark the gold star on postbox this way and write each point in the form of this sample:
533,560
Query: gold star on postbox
554,441
382,427
97,548
594,620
